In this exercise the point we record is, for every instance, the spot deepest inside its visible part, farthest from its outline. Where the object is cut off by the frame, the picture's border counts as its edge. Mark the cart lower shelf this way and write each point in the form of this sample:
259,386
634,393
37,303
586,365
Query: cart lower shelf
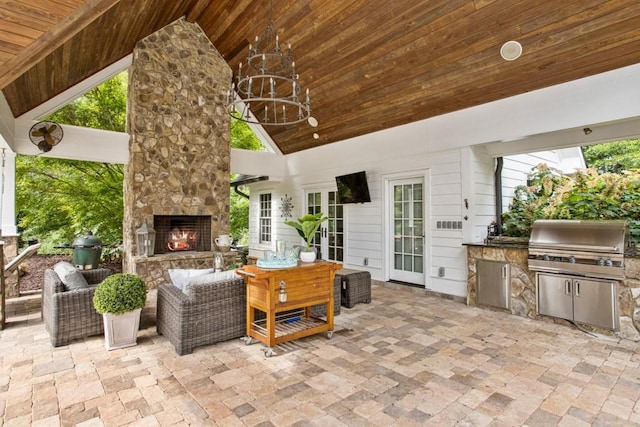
288,326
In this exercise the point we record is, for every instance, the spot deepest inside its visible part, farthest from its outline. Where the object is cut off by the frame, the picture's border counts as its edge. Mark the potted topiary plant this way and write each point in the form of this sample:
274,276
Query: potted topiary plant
120,299
306,228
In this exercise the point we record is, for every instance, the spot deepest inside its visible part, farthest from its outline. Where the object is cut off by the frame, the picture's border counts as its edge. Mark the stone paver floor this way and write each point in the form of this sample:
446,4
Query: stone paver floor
405,359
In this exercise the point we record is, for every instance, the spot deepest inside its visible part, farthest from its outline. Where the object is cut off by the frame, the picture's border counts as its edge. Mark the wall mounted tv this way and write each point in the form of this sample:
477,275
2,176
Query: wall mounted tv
353,188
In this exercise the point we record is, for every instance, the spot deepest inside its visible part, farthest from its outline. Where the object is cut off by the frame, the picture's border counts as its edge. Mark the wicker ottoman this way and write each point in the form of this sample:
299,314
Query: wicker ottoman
321,310
356,286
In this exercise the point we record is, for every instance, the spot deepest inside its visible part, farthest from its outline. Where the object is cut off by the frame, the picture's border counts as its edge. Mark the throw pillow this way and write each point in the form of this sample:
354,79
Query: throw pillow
180,276
208,279
70,277
212,277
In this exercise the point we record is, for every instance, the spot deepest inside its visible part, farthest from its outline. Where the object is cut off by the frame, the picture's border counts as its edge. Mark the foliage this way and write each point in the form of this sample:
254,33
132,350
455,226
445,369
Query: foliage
531,200
588,195
614,156
242,137
103,107
307,226
120,293
58,200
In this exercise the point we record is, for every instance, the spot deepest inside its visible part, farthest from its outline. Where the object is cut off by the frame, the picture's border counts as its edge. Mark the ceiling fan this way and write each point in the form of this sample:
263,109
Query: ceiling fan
45,135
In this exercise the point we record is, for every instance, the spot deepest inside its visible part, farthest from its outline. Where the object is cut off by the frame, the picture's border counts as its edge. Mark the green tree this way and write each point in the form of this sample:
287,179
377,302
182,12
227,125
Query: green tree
58,199
614,156
242,137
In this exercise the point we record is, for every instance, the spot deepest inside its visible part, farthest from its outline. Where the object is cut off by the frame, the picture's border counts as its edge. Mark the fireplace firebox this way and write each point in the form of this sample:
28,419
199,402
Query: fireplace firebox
178,233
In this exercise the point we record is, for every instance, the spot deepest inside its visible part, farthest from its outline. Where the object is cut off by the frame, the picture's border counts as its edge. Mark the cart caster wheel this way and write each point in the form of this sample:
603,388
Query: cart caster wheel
268,352
329,334
248,340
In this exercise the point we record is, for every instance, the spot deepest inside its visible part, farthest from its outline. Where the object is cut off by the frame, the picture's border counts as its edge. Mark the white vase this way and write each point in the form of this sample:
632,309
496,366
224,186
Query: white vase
121,330
307,256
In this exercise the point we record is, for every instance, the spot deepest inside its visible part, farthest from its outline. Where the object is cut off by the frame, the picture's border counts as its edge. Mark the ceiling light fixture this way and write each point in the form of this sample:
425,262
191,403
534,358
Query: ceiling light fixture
587,131
266,90
511,50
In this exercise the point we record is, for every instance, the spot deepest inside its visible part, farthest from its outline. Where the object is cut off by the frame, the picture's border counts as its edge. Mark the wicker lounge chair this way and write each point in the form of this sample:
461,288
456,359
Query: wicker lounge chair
69,315
204,314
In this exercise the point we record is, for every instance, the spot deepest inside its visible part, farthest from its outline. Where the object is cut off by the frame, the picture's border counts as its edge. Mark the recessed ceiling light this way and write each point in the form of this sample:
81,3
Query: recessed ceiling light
511,50
312,121
316,136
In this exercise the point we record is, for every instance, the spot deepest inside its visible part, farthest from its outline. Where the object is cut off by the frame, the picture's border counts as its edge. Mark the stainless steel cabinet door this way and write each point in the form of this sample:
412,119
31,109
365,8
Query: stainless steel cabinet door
493,283
555,296
594,302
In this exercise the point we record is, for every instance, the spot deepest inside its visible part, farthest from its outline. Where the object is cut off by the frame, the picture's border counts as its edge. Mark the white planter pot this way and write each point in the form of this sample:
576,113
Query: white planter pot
121,330
308,256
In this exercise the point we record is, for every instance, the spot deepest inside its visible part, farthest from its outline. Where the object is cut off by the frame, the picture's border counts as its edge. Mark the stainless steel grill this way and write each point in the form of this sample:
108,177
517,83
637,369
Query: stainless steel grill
586,248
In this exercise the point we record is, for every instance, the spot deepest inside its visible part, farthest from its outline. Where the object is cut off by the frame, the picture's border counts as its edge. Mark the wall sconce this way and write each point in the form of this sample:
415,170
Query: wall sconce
587,131
146,240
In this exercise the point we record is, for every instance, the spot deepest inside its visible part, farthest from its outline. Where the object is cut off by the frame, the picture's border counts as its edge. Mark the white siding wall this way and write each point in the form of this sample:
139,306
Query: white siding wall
482,193
365,224
455,154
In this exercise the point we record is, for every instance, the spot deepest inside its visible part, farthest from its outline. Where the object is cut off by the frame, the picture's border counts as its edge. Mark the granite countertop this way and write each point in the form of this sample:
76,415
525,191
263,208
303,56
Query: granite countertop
502,242
631,252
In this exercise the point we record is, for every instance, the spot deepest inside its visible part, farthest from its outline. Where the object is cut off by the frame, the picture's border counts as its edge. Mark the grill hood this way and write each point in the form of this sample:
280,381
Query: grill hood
606,237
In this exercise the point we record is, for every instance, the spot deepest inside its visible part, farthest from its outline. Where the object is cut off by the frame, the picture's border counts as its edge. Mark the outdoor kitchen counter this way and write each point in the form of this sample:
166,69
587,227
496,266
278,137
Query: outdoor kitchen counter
523,288
499,244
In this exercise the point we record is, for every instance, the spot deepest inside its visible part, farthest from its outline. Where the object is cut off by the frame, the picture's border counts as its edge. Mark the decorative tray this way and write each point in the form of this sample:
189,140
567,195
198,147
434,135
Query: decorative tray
277,263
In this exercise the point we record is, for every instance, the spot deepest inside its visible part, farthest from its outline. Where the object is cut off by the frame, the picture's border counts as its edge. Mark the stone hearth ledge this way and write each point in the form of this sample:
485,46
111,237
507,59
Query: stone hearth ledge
155,269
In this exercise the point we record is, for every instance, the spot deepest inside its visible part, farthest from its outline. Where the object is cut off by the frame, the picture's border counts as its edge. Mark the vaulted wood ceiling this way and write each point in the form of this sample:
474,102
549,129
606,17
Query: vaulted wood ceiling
369,64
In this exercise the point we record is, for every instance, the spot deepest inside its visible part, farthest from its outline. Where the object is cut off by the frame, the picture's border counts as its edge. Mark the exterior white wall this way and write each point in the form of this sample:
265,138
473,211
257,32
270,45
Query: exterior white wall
455,153
480,172
366,224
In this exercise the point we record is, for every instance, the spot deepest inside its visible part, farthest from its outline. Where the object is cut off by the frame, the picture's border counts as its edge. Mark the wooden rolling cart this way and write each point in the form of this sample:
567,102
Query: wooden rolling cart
279,302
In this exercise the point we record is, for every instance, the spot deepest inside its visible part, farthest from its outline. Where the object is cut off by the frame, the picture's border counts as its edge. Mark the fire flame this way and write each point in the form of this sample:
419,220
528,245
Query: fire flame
182,240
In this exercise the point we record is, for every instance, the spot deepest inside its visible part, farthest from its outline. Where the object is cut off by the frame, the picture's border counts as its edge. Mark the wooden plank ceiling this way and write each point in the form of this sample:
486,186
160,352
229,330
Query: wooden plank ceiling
369,64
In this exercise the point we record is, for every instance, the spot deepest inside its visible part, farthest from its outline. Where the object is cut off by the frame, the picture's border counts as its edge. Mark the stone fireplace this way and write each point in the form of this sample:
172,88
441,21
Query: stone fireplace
177,177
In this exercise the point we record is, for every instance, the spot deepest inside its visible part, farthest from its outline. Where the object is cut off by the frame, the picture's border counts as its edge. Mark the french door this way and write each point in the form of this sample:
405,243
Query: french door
407,232
329,239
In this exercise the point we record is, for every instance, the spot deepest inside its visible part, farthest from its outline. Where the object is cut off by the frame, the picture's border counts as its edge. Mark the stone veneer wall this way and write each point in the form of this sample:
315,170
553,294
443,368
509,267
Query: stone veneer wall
11,280
179,152
523,288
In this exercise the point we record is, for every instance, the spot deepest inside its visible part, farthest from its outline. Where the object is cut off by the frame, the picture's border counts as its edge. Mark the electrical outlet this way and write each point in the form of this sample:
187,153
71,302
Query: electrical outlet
440,271
365,261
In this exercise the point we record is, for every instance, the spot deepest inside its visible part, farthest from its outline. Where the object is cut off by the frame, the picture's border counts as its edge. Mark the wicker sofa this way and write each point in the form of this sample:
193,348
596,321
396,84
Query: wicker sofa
203,314
69,315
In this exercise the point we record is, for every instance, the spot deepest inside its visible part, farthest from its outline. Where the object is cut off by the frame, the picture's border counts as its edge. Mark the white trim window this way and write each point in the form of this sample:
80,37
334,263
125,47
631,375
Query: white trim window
265,218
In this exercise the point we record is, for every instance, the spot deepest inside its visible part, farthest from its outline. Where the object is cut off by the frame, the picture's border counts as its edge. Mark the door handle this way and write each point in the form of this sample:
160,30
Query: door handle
577,290
567,287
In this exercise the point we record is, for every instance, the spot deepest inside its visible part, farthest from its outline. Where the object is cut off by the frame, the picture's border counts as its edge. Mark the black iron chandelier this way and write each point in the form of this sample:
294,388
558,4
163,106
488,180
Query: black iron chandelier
266,90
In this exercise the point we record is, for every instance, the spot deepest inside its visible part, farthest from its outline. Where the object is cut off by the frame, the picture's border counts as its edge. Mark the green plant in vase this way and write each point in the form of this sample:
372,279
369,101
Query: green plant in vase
120,299
306,228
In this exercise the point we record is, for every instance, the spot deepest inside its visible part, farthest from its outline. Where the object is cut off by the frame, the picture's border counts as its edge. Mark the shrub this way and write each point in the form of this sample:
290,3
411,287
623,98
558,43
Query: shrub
587,195
120,293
